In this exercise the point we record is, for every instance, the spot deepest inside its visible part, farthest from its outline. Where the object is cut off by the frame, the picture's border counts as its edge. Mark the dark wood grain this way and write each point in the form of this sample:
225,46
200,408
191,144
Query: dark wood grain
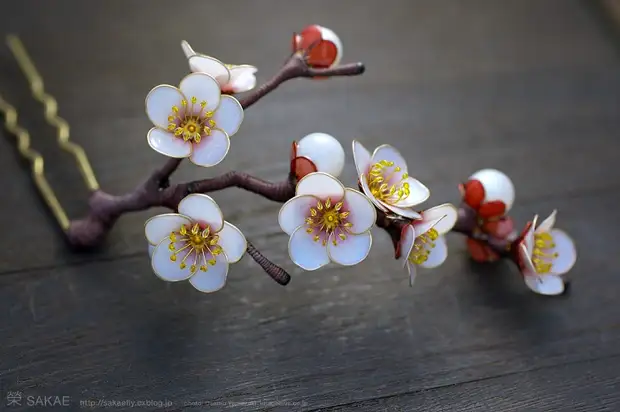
531,87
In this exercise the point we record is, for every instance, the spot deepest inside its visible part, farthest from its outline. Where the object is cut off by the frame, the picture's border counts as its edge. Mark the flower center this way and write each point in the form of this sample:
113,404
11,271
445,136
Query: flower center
541,256
381,182
422,247
197,245
191,122
327,218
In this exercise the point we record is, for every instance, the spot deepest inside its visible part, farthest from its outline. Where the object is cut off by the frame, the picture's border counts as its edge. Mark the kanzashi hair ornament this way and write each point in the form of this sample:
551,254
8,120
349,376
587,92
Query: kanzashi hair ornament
327,222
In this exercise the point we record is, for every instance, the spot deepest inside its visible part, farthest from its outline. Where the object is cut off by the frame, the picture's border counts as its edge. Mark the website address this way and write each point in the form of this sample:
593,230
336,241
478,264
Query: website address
232,404
127,403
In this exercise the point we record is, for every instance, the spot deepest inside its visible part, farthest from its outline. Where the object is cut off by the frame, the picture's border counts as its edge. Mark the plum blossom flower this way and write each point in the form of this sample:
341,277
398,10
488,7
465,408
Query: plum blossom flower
327,222
422,241
489,192
195,244
385,180
317,152
545,254
193,120
232,78
326,51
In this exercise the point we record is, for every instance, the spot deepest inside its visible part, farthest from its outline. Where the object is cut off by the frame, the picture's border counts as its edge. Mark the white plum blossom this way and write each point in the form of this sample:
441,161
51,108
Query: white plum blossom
193,120
327,222
232,78
545,254
323,150
385,180
422,241
195,243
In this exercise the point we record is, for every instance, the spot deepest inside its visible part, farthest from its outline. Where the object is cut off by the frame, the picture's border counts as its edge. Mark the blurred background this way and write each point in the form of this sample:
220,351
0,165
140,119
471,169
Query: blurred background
529,87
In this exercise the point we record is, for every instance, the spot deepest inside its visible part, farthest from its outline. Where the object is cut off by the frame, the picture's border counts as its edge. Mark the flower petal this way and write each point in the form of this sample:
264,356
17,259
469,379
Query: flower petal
567,254
167,144
229,115
364,182
163,267
547,224
204,88
320,185
159,103
233,242
151,250
361,158
404,212
214,278
412,270
242,78
525,258
545,284
187,49
362,213
305,252
294,212
350,251
529,237
211,66
159,227
211,150
407,239
418,193
447,211
423,226
201,208
389,153
437,255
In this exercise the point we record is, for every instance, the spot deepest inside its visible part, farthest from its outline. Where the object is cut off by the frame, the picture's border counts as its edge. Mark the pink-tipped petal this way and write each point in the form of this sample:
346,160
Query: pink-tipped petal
407,241
549,285
233,242
404,212
305,252
448,214
350,251
202,209
214,278
437,255
294,212
211,150
390,154
567,253
204,88
362,212
166,269
159,227
199,63
418,193
159,103
320,185
547,224
229,115
361,157
167,144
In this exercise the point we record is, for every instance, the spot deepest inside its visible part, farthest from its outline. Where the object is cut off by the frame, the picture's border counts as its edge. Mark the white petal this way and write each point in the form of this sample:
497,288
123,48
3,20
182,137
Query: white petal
229,115
418,193
361,158
159,103
423,226
211,66
202,209
204,88
404,212
529,237
351,251
151,250
412,270
242,78
211,150
547,224
407,239
389,153
167,144
320,185
187,49
214,278
364,182
166,269
305,252
362,212
437,255
294,212
565,248
159,227
324,150
545,284
233,242
526,260
448,212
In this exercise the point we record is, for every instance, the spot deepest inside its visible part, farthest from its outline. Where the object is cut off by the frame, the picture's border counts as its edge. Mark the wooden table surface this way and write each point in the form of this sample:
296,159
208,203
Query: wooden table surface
531,87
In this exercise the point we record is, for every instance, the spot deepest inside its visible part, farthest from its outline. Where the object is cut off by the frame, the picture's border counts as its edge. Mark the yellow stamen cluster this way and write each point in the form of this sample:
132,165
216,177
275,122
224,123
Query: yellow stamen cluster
194,241
327,217
422,247
189,125
380,175
541,257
